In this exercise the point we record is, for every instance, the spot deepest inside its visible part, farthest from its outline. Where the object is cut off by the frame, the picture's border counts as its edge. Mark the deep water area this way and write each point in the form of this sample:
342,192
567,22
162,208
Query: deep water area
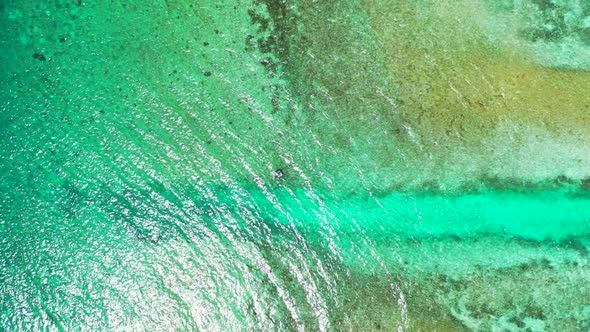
274,165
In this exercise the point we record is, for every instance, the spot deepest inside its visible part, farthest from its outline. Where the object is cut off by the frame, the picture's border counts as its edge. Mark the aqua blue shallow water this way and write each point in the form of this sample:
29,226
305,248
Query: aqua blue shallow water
360,165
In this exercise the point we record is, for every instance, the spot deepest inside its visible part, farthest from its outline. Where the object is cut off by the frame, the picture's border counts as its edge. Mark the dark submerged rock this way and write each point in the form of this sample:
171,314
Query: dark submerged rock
39,56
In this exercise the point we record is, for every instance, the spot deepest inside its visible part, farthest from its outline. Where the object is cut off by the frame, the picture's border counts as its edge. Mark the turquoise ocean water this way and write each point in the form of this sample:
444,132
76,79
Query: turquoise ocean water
253,165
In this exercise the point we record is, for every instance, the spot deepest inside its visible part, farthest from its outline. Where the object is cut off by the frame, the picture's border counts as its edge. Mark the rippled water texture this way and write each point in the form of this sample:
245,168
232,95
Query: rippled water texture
261,165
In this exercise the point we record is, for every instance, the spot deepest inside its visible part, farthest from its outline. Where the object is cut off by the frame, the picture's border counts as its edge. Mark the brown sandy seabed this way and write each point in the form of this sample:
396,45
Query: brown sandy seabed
428,101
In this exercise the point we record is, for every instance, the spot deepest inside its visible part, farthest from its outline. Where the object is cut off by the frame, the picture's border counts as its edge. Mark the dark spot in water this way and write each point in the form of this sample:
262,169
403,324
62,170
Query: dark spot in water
455,238
259,19
39,57
545,263
576,245
562,179
275,103
206,44
534,312
278,173
266,45
250,42
207,73
516,321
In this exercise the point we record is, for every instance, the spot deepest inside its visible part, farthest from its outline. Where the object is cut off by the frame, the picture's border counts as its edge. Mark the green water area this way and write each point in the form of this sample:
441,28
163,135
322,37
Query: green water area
274,165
